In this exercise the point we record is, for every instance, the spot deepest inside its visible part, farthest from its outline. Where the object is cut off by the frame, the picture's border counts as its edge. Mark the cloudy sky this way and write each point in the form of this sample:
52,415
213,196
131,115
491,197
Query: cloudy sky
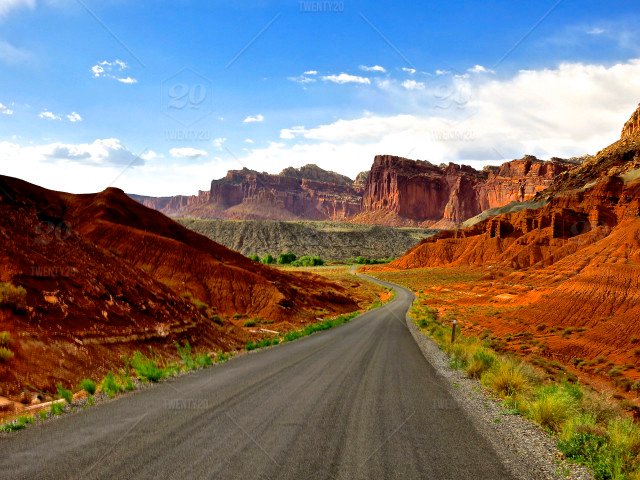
160,97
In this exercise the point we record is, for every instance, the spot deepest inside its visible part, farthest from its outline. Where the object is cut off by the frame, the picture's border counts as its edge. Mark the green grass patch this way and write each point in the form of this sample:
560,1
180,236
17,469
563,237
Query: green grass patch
17,424
12,297
88,386
146,368
65,394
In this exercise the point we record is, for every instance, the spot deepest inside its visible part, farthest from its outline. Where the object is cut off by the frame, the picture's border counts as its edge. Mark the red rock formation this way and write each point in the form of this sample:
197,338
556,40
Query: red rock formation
421,193
632,127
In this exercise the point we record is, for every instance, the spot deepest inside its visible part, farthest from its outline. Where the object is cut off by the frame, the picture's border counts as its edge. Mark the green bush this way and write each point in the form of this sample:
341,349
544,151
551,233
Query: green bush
64,393
552,407
18,424
286,258
255,258
268,259
267,342
250,323
507,379
184,352
203,360
5,339
481,361
57,408
5,354
146,368
88,386
308,261
110,386
12,297
370,261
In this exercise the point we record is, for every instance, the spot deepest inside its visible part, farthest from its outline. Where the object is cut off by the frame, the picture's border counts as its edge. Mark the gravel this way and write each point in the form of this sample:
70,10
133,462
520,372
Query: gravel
528,451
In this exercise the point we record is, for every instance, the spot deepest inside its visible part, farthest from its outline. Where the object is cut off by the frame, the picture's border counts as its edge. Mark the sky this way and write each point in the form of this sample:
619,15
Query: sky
159,98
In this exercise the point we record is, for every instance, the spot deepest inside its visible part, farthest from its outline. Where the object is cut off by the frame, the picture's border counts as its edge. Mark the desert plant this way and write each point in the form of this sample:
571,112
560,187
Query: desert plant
146,368
507,378
5,339
12,297
481,361
286,258
203,360
255,258
5,354
268,259
64,393
18,424
88,386
57,408
184,352
110,386
250,323
552,407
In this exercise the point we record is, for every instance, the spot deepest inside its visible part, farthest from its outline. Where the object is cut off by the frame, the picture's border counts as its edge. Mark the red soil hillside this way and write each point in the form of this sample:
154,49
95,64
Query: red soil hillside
105,276
573,257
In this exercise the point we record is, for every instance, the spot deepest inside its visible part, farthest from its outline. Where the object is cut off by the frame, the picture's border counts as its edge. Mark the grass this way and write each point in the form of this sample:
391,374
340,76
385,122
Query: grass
191,361
65,394
57,408
590,428
146,368
12,297
110,386
5,354
88,386
17,424
5,339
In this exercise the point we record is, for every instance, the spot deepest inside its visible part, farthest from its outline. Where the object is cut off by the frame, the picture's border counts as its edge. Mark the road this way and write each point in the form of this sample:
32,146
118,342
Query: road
355,402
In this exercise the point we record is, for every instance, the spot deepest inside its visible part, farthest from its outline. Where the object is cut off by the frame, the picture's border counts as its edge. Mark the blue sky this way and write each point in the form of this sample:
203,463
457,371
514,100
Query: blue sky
195,88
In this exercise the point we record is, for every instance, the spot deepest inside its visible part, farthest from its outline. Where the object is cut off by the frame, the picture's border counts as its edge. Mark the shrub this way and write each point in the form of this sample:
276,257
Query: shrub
255,258
222,357
12,296
308,261
482,361
507,379
184,352
88,386
286,258
268,259
203,360
110,386
5,339
267,342
146,368
552,407
5,354
250,323
64,393
18,424
57,408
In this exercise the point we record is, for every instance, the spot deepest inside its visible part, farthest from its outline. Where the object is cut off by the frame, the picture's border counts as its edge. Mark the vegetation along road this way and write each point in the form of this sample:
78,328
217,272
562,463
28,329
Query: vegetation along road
355,402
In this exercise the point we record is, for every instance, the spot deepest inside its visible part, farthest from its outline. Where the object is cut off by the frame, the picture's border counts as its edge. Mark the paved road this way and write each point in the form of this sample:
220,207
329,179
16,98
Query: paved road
355,402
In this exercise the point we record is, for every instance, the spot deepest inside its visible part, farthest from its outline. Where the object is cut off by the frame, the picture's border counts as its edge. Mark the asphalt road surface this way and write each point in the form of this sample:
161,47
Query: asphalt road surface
355,402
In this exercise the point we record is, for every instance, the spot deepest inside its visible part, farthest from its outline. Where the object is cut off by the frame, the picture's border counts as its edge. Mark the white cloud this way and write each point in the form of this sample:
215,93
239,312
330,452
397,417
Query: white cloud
480,69
219,142
302,79
290,133
127,80
47,115
596,31
344,78
150,155
4,110
112,70
249,140
74,117
188,152
375,68
254,119
311,72
413,85
442,72
410,71
7,5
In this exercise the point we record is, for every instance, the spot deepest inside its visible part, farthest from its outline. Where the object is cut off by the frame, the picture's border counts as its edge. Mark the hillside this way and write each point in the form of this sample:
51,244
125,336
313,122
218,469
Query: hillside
330,241
104,276
571,260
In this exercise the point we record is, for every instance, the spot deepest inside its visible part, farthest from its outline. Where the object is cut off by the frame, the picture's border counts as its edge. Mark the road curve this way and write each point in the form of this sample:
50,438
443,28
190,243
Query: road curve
356,402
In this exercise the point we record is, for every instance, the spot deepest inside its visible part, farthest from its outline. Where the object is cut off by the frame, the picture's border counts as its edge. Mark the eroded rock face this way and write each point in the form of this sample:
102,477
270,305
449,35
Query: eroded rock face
424,193
632,127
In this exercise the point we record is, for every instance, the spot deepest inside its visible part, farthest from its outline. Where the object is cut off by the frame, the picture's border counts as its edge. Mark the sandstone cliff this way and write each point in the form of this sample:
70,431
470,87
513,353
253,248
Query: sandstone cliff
416,192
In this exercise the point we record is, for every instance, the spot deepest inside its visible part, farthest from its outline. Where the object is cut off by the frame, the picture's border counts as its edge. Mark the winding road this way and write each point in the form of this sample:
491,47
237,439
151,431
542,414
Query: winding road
355,402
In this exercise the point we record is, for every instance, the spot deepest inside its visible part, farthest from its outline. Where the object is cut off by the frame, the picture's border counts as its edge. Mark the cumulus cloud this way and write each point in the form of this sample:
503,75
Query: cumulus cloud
188,152
413,85
480,69
113,70
219,142
254,119
442,72
344,78
311,72
4,110
47,115
410,71
249,140
74,117
7,5
374,68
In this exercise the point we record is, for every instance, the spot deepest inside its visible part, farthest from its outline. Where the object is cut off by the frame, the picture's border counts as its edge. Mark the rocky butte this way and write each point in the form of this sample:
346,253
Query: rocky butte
396,191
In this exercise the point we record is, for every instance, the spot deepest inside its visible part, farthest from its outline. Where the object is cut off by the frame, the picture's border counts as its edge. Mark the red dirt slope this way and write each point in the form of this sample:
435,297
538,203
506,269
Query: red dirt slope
105,276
